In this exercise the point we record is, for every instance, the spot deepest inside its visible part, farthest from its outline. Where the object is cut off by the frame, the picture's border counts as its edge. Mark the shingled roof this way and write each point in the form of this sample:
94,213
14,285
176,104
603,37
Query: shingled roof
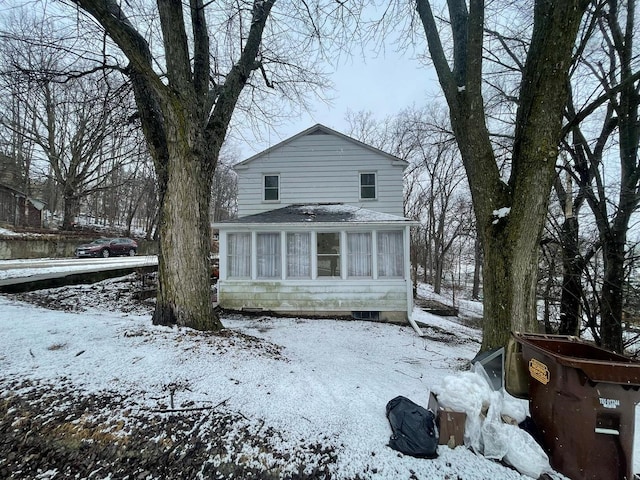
319,213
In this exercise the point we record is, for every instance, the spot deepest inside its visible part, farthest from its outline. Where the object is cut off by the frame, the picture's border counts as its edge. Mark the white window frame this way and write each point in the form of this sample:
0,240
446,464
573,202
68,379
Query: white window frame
361,186
264,188
399,254
338,264
355,258
309,239
232,258
275,258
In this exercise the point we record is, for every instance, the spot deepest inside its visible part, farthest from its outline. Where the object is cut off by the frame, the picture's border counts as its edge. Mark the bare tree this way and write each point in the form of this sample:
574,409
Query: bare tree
510,213
435,194
187,88
78,125
614,105
224,192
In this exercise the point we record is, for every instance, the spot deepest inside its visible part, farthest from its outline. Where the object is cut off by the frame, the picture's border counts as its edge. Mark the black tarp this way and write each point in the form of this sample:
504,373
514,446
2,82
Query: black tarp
414,428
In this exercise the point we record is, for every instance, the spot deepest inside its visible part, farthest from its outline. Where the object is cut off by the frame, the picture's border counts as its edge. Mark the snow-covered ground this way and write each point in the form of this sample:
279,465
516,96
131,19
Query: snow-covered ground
325,381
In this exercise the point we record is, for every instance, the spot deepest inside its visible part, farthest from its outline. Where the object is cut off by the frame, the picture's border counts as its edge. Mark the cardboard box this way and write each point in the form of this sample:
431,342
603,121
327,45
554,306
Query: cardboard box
450,424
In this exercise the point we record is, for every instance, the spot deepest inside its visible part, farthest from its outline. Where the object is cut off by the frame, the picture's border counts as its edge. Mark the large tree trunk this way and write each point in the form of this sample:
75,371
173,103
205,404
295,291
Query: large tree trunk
185,121
510,273
611,297
184,292
509,215
477,262
70,210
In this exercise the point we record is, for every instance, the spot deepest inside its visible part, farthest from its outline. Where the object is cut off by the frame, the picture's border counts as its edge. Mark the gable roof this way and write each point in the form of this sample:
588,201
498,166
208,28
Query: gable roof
321,129
332,213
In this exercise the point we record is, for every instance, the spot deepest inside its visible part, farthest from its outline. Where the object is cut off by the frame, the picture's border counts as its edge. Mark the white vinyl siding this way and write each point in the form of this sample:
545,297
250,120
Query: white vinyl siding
316,296
321,169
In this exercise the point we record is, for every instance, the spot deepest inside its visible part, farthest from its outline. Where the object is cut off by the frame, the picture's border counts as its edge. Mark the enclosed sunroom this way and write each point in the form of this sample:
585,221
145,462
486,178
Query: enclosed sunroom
317,259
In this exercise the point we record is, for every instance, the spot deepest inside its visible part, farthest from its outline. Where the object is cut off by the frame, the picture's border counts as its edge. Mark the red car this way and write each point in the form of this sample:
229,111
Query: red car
108,247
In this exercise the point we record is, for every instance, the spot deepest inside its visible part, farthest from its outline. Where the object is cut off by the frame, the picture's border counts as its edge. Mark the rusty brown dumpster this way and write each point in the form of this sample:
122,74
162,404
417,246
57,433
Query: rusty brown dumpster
582,400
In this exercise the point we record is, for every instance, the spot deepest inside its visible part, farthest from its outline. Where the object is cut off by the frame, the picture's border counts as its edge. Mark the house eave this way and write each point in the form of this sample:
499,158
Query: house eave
306,225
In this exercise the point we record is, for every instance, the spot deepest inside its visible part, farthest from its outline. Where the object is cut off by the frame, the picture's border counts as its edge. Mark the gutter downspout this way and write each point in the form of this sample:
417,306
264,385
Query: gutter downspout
407,276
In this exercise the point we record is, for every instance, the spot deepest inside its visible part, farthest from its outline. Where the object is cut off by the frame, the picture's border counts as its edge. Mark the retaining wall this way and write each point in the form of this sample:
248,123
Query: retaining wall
54,246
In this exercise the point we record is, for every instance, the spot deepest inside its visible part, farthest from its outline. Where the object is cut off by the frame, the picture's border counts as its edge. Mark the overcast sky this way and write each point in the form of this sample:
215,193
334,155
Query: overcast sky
383,84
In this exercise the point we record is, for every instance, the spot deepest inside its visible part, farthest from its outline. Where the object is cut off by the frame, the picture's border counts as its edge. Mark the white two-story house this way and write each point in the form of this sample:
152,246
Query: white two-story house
320,231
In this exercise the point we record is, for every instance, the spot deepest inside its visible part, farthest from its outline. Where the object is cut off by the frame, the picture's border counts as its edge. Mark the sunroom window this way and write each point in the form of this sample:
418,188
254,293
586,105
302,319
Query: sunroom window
268,250
239,255
390,254
328,245
359,254
298,255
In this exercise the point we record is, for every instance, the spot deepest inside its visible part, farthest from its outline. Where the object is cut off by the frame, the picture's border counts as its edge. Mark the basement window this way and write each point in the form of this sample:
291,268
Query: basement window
356,315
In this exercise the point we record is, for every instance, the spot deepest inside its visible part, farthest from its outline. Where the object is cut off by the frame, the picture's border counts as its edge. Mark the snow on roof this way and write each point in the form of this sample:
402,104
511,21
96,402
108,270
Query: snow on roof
318,213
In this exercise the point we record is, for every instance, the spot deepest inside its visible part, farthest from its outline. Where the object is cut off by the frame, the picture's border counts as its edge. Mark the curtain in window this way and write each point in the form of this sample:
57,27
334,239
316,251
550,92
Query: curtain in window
390,254
239,255
268,249
359,254
298,255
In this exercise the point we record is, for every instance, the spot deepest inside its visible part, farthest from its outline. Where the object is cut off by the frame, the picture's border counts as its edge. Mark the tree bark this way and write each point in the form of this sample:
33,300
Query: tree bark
509,215
572,267
612,295
477,262
629,131
185,124
70,209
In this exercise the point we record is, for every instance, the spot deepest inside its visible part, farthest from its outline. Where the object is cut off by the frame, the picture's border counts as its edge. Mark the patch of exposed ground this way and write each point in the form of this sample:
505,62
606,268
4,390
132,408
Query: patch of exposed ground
51,432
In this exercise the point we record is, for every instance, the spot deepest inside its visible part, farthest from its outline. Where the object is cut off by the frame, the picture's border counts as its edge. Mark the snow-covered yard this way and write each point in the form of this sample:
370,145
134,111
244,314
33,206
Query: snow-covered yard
306,382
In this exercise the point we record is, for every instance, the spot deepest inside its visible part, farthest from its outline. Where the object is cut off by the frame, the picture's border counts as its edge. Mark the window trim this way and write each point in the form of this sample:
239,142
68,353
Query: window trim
276,256
288,255
264,188
229,256
361,186
400,255
336,267
352,255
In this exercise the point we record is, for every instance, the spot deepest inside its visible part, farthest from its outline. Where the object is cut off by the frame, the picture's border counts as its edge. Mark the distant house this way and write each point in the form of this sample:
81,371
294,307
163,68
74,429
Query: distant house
320,231
19,210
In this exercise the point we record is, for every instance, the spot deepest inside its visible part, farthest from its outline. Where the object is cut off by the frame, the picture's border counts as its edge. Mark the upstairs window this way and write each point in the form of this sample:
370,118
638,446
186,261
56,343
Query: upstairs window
271,184
368,186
